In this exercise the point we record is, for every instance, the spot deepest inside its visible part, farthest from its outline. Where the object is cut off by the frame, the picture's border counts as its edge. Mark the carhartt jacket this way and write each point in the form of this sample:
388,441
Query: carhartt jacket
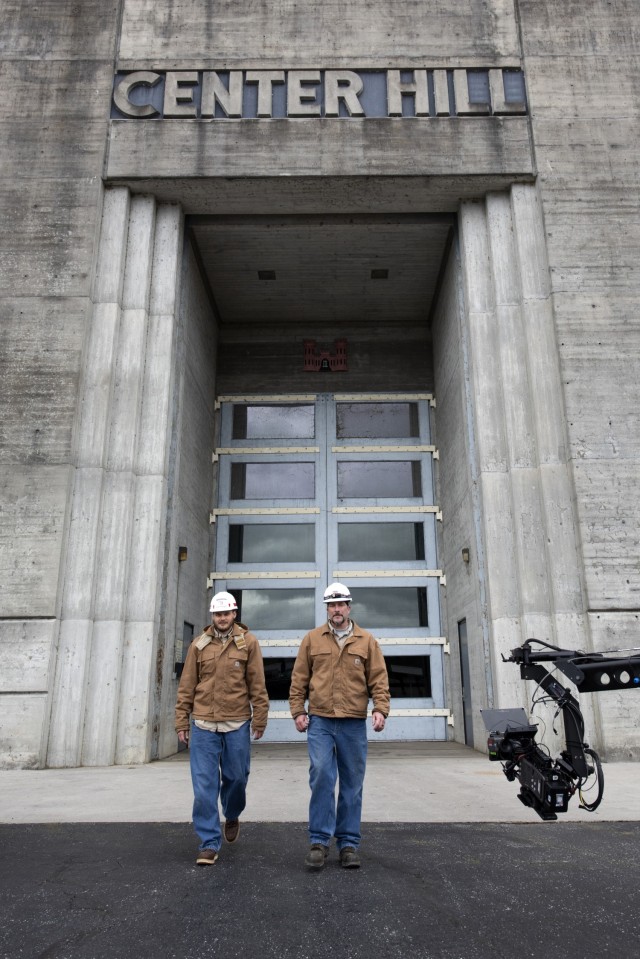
338,682
222,681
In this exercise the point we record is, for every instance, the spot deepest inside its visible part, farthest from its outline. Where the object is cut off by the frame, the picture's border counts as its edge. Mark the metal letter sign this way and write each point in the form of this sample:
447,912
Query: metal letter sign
287,94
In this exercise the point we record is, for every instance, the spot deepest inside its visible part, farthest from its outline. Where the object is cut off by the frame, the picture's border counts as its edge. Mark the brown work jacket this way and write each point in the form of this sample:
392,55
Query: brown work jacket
223,681
339,682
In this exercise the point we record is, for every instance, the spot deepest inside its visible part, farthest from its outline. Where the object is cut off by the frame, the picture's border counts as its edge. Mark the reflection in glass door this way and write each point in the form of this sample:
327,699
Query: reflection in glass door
315,488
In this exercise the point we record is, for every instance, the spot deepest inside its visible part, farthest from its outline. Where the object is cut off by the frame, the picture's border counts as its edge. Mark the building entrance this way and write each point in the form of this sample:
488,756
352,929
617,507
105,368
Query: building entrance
318,487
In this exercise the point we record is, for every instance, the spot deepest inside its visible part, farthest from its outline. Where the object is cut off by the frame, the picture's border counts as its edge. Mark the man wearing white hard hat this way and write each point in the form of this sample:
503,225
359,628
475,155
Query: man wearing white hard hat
222,703
338,668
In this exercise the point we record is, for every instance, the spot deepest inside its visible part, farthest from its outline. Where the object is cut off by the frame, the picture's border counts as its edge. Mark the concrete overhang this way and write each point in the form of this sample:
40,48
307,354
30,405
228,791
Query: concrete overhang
320,204
366,270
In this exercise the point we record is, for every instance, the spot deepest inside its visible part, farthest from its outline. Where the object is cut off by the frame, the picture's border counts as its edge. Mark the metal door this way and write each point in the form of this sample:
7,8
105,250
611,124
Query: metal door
313,488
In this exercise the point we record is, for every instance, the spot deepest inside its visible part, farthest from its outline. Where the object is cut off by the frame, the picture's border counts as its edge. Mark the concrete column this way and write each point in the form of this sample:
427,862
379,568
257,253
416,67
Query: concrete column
118,492
141,671
76,618
482,332
519,402
113,587
556,486
527,521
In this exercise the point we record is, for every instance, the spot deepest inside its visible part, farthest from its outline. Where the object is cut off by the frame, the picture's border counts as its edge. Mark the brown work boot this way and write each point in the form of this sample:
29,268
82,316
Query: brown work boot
206,857
349,858
317,856
231,830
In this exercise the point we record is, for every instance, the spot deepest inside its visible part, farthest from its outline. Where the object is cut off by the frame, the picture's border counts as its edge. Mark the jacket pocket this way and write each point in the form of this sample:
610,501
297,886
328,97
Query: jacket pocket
206,667
357,658
236,668
319,657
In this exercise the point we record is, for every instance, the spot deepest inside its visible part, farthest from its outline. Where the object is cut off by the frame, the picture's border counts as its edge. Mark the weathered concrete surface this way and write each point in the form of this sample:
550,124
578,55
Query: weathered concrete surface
253,195
517,516
25,652
310,148
304,33
582,69
109,631
57,63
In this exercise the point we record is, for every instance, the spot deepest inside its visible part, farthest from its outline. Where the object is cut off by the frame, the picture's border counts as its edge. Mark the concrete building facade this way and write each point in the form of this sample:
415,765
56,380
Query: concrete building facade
213,209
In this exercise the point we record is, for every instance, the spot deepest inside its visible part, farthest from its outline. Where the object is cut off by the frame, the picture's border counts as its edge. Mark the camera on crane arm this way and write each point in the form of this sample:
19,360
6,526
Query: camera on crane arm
547,784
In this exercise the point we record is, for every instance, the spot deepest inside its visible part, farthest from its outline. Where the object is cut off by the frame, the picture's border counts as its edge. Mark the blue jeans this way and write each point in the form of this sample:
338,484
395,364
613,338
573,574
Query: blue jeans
337,750
219,767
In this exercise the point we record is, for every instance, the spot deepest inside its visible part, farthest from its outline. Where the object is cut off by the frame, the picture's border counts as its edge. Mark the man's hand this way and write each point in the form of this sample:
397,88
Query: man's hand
302,722
183,737
378,721
256,733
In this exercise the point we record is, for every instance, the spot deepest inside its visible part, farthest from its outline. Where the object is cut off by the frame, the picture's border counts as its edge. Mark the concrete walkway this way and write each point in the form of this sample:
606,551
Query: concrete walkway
406,782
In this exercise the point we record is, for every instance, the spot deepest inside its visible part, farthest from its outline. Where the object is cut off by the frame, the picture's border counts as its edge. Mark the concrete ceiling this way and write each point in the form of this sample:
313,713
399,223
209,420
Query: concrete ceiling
318,269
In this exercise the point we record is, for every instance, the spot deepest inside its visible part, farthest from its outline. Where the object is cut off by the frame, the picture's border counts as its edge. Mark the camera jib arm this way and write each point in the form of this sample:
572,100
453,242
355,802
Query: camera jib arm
591,672
546,783
571,714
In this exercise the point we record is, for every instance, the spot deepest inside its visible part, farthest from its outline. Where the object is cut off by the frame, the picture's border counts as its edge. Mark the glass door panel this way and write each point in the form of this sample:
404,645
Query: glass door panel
378,479
272,543
396,540
390,607
263,542
272,422
276,610
409,676
284,480
376,420
380,542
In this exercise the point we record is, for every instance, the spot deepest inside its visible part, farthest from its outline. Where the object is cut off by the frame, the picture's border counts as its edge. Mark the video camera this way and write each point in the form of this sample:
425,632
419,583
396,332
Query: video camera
547,784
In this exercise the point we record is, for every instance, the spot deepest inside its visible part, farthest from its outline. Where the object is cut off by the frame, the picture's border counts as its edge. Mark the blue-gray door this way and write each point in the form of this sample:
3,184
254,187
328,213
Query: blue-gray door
316,488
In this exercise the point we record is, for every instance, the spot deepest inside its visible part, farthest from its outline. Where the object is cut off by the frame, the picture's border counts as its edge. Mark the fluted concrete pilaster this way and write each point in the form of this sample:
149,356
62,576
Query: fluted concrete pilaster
528,522
117,517
141,678
76,623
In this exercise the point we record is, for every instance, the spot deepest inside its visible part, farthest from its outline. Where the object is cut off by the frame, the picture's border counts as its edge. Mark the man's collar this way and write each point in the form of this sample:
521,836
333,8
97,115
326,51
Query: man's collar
347,630
354,628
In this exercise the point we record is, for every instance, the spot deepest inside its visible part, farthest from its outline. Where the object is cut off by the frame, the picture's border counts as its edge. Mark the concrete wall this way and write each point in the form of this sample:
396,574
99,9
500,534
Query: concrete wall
303,31
465,595
264,359
56,63
582,63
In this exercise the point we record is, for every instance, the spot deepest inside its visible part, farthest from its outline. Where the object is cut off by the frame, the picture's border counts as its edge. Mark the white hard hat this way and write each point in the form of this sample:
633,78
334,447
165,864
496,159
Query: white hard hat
223,603
337,593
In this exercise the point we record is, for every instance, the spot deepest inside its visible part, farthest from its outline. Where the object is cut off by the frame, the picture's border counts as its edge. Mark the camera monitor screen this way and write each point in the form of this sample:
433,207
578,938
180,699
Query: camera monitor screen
499,720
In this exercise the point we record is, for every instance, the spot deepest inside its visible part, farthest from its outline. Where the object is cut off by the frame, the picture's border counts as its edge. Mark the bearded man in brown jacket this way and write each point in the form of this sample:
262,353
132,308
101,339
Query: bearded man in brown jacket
222,690
338,667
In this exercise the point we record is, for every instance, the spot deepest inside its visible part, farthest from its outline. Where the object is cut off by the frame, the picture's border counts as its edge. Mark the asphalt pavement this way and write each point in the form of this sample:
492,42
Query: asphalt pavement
439,891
